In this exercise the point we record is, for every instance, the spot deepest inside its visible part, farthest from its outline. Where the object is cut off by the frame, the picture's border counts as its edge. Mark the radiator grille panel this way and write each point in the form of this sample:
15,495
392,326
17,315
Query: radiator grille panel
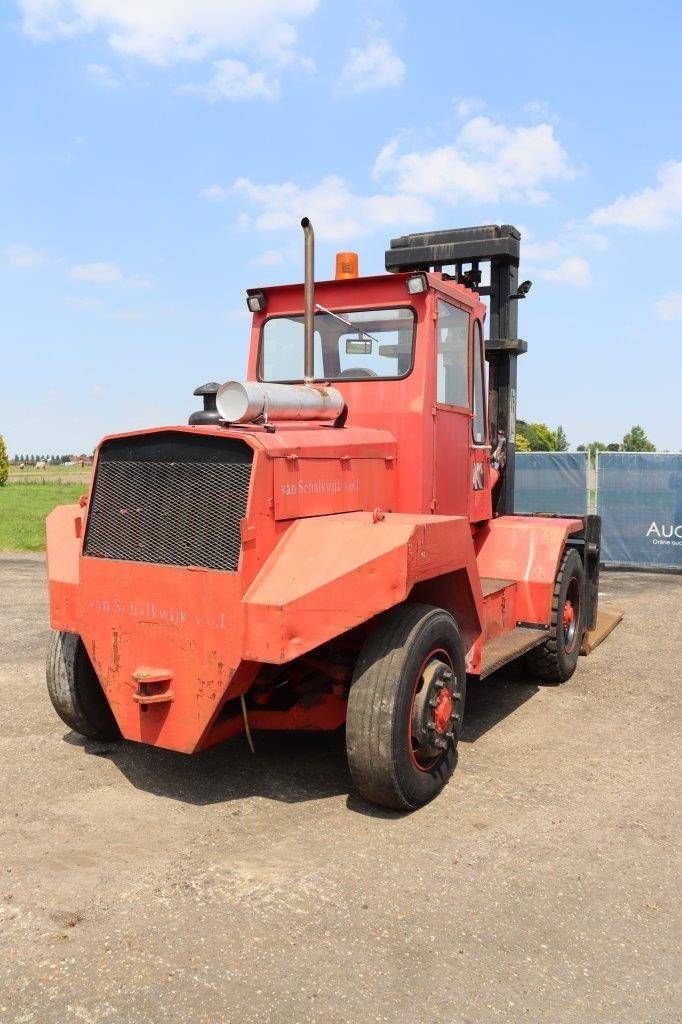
170,499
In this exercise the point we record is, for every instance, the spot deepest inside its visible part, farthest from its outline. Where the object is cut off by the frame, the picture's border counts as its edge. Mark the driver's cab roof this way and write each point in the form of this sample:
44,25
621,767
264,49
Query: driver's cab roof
361,291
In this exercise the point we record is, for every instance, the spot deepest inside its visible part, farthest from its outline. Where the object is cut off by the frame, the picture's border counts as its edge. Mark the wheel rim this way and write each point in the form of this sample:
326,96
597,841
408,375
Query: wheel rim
435,711
571,615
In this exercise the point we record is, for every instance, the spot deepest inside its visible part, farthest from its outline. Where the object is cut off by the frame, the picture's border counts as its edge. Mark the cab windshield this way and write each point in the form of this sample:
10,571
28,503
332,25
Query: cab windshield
349,345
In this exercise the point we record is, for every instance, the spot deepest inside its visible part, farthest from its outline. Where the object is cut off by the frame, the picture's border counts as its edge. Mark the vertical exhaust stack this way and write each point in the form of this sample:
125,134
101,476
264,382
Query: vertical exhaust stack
309,302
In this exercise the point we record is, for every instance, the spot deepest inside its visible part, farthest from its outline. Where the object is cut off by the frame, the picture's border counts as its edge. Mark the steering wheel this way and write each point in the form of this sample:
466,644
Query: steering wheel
358,371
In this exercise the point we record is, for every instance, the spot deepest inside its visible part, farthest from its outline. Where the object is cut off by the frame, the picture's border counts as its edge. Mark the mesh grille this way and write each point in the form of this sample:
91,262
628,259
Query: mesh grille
170,500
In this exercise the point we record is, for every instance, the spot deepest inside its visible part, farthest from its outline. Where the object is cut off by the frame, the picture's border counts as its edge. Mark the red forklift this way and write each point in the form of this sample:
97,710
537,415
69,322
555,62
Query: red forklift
332,541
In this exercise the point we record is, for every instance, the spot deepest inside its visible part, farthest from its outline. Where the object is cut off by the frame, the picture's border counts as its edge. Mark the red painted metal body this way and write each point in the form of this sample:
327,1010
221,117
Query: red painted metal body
341,524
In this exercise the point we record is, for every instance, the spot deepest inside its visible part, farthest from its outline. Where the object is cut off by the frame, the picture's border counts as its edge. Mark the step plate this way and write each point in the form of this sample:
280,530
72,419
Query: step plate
503,649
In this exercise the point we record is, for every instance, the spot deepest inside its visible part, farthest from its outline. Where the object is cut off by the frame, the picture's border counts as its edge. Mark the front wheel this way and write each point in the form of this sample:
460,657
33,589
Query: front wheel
405,707
556,659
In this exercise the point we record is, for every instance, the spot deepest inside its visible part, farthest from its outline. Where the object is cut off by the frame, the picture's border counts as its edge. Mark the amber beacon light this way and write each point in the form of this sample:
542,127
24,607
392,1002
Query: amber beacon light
346,265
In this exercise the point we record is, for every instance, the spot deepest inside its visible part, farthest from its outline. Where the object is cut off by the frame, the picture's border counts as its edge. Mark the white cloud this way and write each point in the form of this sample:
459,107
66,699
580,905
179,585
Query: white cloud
536,108
652,207
137,281
128,315
164,31
669,307
213,194
539,252
233,80
572,237
103,76
23,257
573,270
106,273
336,212
596,241
82,304
270,258
97,391
554,259
374,66
487,163
386,158
97,273
468,105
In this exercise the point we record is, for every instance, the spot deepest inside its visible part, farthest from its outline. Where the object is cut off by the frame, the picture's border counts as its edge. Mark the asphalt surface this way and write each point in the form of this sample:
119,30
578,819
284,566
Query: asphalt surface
138,885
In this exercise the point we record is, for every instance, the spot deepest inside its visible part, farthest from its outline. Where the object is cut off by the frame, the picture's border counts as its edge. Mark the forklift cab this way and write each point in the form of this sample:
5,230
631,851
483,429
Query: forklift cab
462,251
407,352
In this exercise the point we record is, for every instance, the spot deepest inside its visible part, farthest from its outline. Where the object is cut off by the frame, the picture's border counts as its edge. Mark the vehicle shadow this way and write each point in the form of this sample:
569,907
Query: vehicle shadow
489,701
288,767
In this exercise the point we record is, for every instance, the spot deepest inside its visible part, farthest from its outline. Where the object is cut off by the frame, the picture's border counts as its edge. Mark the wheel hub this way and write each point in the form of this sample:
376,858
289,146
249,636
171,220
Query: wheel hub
443,711
436,712
570,621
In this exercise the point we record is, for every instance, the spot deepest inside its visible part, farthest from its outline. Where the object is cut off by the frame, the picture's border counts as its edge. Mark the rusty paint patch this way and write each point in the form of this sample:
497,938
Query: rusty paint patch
115,653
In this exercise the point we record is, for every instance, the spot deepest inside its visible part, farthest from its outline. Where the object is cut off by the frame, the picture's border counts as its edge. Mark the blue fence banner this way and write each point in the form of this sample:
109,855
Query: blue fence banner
639,497
551,482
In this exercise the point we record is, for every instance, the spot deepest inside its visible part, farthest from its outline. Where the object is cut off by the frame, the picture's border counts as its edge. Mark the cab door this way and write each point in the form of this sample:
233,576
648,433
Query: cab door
451,410
480,504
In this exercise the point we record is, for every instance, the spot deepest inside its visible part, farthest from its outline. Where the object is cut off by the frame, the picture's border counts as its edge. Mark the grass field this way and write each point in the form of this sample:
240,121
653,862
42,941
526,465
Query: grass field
23,508
49,475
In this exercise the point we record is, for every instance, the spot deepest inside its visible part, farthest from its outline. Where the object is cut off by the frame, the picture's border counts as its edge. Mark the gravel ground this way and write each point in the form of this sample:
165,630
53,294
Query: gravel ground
138,885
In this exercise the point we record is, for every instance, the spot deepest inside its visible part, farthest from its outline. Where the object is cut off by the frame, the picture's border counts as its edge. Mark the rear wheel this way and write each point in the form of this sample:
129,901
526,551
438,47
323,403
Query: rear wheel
555,660
405,707
75,690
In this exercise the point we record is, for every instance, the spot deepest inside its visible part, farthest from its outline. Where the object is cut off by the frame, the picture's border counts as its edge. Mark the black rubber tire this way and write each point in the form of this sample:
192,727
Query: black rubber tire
380,700
551,662
75,690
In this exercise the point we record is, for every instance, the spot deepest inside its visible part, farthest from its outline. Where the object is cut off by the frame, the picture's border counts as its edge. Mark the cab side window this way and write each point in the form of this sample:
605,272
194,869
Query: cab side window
452,355
478,422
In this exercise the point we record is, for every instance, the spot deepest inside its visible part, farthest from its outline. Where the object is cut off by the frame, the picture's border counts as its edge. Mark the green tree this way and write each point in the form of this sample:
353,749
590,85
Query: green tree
538,435
4,462
560,439
613,447
593,447
522,444
636,441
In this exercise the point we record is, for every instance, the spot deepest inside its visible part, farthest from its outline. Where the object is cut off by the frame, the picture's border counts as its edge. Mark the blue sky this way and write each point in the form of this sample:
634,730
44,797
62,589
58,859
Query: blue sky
156,158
